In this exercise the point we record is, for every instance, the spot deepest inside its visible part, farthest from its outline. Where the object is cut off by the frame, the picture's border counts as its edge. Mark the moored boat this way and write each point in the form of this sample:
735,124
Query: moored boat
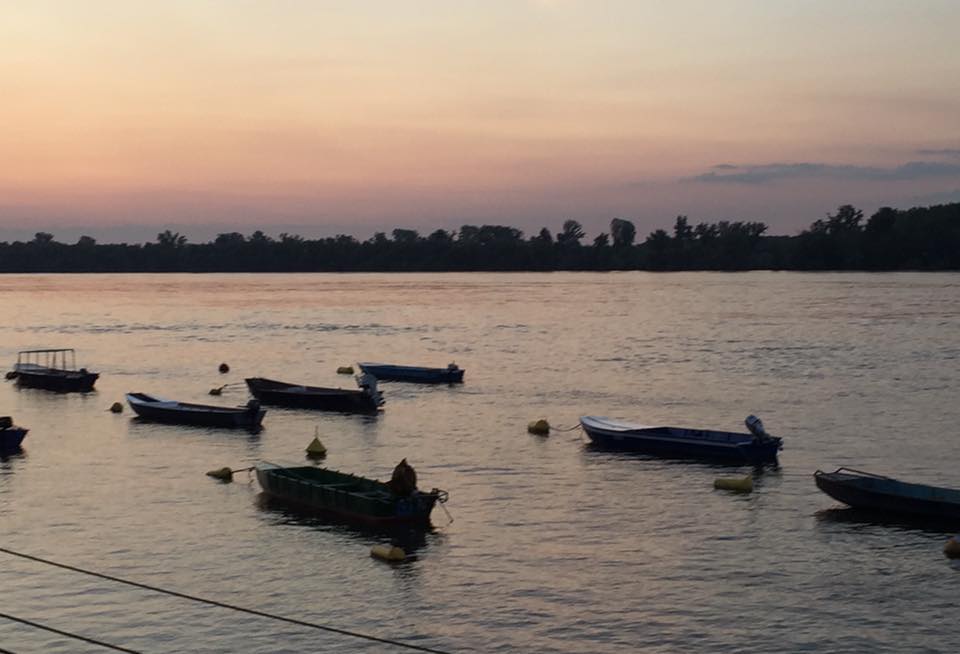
10,435
347,496
50,370
365,400
452,374
158,409
732,447
865,490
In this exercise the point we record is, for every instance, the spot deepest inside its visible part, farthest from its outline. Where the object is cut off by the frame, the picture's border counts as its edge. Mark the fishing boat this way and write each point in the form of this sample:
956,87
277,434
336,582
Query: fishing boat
50,370
10,435
158,409
865,490
757,446
347,497
452,374
365,400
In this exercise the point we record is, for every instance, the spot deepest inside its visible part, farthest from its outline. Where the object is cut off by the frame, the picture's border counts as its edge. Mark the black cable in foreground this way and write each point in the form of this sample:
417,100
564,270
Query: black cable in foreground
224,605
60,632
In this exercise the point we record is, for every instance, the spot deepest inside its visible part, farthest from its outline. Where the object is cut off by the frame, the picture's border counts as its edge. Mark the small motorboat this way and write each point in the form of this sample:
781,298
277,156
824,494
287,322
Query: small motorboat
452,374
10,435
347,496
365,400
865,490
757,446
50,370
158,409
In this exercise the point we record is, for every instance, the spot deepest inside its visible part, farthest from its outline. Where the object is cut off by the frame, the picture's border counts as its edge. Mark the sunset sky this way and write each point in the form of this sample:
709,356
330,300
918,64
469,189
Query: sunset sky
122,118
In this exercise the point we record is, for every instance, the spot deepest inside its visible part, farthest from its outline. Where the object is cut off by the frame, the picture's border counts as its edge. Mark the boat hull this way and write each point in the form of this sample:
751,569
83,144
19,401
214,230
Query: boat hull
312,397
196,415
58,381
891,496
674,442
413,374
11,438
345,497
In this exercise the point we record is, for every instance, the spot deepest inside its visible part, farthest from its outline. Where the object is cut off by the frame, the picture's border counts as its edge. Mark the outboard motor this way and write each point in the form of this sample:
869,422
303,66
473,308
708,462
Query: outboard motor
452,367
253,406
368,383
755,425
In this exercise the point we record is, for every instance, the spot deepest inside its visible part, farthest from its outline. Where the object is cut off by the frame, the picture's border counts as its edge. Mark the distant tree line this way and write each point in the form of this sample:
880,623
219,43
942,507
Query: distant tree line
922,238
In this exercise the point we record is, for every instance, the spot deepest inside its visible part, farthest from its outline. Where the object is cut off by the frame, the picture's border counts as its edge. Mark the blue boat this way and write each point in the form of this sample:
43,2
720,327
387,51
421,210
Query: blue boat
452,374
10,435
865,490
731,447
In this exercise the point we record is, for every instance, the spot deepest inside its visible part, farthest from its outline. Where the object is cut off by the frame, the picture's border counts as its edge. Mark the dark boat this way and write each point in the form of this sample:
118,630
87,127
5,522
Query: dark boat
48,369
10,435
452,374
865,490
365,400
201,415
731,447
346,496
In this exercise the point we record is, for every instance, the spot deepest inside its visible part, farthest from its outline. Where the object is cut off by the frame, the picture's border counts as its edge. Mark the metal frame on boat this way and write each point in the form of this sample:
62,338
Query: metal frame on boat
680,442
48,369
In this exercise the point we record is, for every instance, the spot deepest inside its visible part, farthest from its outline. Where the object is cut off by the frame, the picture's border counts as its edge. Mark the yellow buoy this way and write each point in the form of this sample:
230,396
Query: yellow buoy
540,427
738,484
387,553
345,370
116,407
223,474
316,449
952,548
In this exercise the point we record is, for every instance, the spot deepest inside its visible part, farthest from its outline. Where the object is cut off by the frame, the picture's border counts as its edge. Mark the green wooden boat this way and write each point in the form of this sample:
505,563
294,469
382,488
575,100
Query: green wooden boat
347,496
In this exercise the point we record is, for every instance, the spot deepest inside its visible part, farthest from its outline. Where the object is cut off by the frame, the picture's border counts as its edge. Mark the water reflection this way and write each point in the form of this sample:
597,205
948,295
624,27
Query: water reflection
142,426
600,453
867,517
411,539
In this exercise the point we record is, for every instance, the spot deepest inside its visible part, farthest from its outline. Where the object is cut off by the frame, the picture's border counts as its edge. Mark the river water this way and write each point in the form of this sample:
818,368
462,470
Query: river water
554,546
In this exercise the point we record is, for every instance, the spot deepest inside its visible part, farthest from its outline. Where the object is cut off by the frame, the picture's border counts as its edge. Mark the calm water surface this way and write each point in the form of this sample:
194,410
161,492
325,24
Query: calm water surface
554,547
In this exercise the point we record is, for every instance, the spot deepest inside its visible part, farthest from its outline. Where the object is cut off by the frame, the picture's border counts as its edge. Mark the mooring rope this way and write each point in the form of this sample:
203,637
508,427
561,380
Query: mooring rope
224,605
61,632
576,426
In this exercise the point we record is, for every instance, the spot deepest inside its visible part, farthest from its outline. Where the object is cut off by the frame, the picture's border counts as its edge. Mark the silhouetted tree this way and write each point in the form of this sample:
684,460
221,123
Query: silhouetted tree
571,234
170,239
923,238
682,230
623,232
543,237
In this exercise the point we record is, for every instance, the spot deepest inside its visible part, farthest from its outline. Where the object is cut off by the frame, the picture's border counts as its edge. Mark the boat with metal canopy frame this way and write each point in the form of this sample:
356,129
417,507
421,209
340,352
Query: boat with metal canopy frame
52,370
